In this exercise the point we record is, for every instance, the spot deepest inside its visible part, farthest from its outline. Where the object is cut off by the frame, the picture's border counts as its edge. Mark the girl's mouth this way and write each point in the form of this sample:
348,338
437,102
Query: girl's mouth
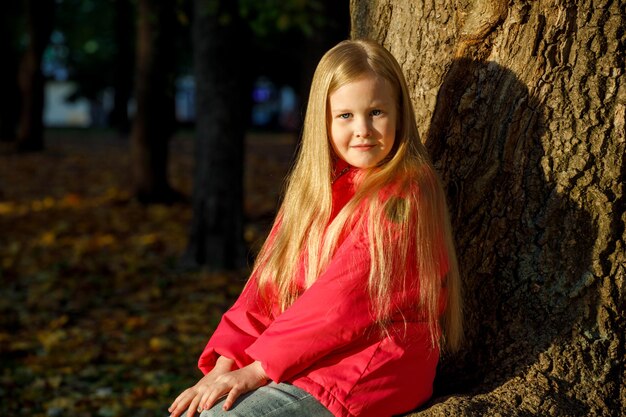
363,147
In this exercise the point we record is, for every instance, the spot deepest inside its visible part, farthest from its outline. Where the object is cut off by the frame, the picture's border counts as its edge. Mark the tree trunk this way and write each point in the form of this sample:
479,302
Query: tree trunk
123,81
9,89
39,21
154,121
522,106
223,90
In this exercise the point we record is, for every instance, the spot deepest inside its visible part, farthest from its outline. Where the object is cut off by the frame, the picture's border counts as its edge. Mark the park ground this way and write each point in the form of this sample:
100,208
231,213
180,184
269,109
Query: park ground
97,317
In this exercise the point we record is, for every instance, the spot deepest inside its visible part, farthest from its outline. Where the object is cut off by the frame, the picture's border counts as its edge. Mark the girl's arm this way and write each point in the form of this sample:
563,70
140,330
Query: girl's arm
332,313
239,327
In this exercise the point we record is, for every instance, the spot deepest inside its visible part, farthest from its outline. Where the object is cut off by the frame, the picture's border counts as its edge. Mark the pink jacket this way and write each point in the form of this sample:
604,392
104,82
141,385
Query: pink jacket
327,342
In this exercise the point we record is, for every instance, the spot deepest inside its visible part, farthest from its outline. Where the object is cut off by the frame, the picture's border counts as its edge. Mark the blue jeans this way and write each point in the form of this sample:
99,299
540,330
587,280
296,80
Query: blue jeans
272,400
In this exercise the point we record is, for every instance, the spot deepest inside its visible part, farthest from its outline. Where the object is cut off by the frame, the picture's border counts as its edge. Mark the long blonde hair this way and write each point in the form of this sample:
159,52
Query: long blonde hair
419,211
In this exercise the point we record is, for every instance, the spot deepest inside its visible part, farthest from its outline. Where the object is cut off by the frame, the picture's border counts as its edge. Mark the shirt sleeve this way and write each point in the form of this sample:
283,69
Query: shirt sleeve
240,326
332,313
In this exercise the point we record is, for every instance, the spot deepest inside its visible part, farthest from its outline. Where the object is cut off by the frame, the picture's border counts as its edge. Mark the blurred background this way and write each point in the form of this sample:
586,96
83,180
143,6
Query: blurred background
143,150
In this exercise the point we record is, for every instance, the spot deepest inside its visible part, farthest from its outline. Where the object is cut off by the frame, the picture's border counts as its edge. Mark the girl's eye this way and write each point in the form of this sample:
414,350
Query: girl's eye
344,116
376,112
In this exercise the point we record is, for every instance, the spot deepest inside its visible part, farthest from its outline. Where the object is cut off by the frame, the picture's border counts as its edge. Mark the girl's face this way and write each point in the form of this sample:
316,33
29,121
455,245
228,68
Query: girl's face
363,118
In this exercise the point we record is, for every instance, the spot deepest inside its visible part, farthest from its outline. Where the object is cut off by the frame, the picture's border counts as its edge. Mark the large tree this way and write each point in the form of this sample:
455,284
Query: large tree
522,106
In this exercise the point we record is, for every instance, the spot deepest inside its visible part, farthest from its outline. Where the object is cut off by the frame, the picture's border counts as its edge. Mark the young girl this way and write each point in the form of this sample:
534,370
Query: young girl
356,289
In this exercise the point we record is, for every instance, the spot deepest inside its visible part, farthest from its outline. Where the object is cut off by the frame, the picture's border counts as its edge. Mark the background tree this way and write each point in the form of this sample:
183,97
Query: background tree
39,23
234,41
522,105
123,79
223,86
154,121
87,48
11,22
106,41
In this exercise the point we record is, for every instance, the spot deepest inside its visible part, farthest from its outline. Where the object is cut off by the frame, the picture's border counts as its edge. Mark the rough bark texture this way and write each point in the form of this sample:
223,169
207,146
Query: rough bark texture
39,21
154,121
223,85
522,105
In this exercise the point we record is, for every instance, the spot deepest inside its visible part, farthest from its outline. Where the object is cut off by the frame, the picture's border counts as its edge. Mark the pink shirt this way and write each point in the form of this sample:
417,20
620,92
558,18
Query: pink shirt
328,342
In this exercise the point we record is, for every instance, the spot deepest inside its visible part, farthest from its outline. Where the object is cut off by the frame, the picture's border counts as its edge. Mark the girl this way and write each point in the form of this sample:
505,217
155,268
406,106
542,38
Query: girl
356,289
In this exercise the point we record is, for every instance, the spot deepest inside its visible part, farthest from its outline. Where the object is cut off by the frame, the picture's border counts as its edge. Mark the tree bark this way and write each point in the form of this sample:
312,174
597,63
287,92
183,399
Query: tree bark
39,21
522,106
223,90
154,121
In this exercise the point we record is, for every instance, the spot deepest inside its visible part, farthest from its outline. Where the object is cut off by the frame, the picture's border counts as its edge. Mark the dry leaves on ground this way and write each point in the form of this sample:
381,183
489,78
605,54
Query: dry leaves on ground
96,318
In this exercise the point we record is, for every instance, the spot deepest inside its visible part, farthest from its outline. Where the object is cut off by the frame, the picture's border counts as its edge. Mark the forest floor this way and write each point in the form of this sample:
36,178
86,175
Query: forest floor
96,316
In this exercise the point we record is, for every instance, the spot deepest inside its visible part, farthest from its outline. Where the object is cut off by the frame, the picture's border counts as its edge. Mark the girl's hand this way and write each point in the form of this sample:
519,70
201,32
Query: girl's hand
189,399
233,384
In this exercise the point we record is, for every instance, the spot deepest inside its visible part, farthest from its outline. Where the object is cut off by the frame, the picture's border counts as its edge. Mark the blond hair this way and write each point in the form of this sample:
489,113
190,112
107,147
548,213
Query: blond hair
417,210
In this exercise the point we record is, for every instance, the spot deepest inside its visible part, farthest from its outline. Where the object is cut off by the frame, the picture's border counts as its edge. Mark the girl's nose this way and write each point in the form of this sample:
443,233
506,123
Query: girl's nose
363,130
